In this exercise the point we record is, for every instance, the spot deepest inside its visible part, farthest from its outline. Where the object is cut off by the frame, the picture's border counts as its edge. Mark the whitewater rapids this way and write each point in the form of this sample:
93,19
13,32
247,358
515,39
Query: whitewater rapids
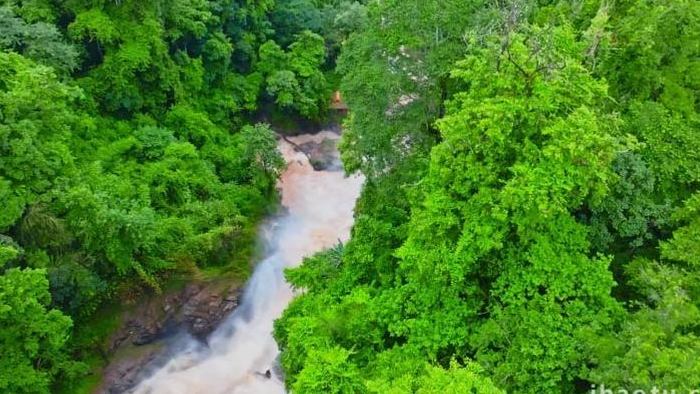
319,213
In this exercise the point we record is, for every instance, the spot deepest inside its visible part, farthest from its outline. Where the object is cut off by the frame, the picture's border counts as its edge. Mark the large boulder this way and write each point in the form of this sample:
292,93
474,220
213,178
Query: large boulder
323,155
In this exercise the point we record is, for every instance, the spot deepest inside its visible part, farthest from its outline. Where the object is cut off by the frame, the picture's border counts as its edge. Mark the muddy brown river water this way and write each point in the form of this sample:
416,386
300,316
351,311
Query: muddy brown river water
319,213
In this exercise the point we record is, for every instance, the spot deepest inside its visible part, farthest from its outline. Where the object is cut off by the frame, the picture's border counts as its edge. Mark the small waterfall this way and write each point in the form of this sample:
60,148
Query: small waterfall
242,354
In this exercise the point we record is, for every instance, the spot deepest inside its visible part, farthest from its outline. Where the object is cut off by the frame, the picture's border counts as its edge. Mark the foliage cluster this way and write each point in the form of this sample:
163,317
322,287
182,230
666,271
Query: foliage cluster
531,218
129,153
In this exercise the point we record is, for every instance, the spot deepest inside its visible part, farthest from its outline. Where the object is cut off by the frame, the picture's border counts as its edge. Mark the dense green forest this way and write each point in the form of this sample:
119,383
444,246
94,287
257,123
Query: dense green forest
129,153
530,221
531,217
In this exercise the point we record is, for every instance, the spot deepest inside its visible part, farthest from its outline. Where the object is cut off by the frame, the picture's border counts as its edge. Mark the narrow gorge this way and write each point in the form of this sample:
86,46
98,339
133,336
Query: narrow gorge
240,355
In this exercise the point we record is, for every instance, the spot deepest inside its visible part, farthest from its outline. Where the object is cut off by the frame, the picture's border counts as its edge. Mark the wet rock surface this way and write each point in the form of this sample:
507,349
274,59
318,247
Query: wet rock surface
323,155
122,374
321,150
203,312
197,309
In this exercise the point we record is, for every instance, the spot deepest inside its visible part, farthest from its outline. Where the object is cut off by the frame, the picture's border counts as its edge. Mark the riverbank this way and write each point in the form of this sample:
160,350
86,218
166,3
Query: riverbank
137,336
241,355
125,338
195,310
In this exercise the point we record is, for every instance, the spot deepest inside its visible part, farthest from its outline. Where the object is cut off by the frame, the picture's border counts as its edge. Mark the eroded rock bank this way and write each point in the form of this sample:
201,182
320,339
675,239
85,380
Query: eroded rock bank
196,309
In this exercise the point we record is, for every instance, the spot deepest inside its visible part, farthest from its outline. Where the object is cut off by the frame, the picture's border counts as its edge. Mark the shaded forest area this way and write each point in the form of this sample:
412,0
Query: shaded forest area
531,217
129,155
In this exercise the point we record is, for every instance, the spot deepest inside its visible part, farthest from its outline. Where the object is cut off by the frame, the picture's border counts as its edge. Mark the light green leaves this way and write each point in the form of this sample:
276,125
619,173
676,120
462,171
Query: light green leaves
7,254
329,371
32,335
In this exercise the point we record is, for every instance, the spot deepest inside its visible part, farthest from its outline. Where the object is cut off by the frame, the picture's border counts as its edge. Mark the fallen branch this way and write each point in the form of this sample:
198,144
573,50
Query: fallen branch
296,146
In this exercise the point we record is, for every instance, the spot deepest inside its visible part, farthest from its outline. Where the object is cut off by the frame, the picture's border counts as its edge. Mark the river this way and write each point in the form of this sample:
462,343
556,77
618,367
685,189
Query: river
319,213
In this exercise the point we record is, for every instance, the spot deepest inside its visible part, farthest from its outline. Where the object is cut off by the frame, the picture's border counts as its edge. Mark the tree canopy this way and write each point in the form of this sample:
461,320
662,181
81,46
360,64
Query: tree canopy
529,220
130,152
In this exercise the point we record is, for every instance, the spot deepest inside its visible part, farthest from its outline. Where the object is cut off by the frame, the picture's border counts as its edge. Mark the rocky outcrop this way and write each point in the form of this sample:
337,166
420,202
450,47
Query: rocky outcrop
321,150
323,155
198,309
125,370
203,312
